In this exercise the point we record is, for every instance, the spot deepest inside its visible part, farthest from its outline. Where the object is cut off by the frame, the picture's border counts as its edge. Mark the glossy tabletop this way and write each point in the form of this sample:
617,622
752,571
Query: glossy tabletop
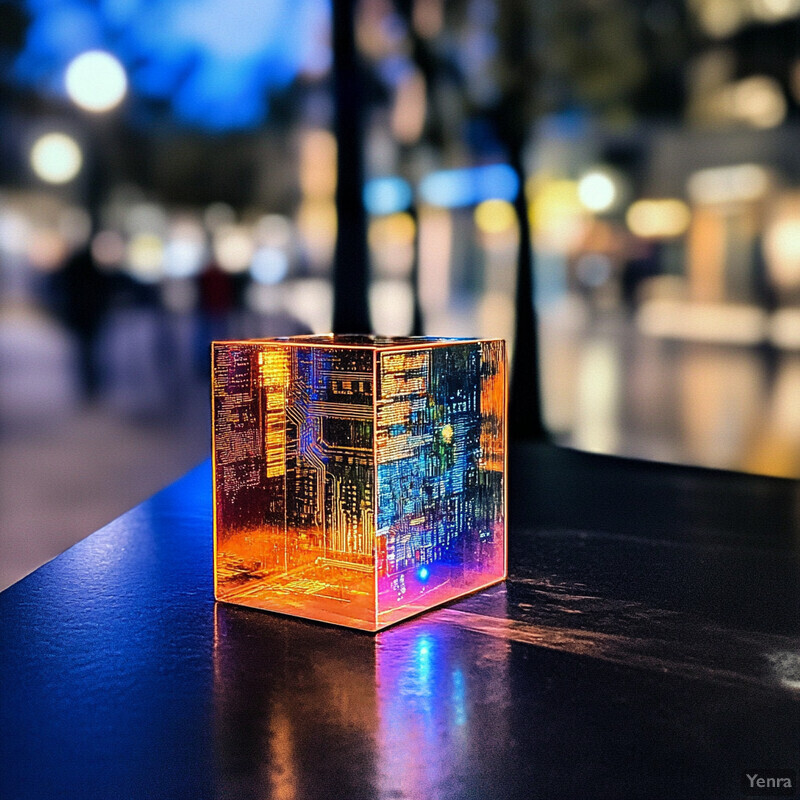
646,645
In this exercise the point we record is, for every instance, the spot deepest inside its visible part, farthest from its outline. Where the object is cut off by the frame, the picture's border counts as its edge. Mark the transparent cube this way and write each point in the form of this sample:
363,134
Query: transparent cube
358,480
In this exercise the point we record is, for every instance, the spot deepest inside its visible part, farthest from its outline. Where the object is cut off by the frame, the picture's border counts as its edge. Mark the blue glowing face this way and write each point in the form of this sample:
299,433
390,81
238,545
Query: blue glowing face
213,61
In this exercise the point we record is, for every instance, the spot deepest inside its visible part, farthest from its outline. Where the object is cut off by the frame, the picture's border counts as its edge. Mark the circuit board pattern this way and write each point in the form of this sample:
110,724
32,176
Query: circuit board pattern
357,484
294,469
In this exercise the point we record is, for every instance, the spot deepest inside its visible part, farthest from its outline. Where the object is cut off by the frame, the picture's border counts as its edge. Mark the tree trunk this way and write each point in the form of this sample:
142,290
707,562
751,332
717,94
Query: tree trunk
525,402
417,325
351,261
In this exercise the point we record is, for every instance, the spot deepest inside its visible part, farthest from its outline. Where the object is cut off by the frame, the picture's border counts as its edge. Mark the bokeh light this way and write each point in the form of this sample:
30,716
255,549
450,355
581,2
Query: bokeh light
720,18
392,230
317,223
96,81
597,191
233,248
185,251
407,118
274,230
387,195
391,307
662,218
495,216
269,266
782,242
145,255
775,10
454,188
317,164
56,158
759,101
557,214
737,183
428,17
391,241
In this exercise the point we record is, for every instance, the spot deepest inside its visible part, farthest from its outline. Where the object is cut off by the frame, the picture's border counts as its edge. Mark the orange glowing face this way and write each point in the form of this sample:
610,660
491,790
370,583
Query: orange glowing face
358,480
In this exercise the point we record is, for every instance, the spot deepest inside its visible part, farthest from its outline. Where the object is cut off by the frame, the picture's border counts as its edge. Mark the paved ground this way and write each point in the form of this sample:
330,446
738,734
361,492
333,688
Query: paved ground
67,468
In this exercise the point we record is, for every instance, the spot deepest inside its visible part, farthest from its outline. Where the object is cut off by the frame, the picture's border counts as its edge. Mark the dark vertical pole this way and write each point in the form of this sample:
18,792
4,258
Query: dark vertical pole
514,114
525,405
351,262
417,326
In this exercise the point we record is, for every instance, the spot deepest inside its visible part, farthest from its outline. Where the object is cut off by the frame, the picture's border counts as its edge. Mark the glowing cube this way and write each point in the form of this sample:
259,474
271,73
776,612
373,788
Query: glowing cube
358,480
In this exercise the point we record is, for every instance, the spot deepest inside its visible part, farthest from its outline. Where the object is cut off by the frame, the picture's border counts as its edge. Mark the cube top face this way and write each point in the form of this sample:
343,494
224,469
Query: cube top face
357,340
358,480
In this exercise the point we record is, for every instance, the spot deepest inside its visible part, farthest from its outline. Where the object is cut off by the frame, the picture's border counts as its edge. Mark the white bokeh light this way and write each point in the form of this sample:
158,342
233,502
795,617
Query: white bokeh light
96,81
56,158
233,248
145,255
597,191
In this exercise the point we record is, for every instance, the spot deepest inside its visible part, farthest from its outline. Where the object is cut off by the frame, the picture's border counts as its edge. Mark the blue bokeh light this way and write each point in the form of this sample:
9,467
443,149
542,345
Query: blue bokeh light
213,62
387,195
270,265
454,188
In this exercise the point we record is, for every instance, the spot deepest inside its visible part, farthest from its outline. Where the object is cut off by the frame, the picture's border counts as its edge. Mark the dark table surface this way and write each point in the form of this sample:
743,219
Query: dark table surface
646,645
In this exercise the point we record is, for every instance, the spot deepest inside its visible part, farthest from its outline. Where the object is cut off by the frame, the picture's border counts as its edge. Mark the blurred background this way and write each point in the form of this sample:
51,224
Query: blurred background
168,175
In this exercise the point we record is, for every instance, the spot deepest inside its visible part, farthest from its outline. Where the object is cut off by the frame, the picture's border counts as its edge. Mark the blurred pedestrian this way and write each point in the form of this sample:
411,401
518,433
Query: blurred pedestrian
217,299
82,294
